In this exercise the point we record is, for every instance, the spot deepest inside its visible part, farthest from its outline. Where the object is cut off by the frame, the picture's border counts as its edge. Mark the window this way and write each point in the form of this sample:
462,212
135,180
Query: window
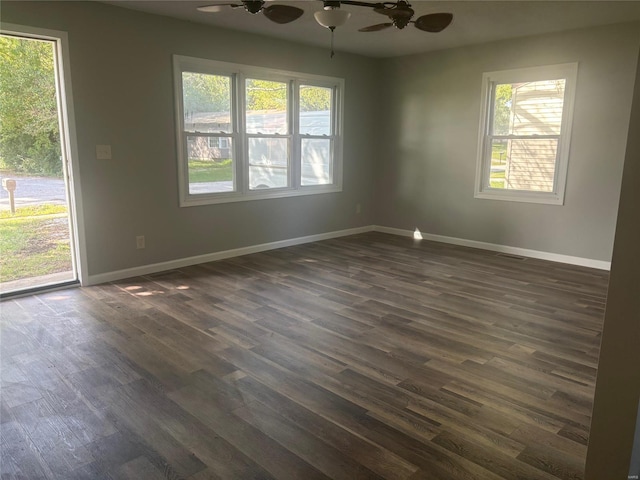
248,133
524,134
219,142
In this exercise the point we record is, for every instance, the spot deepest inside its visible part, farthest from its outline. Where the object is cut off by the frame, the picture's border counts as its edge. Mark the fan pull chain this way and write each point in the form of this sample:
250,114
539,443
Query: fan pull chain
332,31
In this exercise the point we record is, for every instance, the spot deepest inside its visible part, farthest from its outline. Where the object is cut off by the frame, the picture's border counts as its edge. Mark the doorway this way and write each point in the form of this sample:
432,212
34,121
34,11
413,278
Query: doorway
38,208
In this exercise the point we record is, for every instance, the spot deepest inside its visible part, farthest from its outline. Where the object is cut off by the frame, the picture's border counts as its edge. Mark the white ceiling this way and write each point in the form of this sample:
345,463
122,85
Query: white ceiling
475,21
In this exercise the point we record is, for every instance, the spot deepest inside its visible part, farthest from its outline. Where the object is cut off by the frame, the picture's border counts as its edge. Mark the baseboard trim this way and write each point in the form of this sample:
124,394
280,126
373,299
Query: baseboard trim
237,252
525,252
212,257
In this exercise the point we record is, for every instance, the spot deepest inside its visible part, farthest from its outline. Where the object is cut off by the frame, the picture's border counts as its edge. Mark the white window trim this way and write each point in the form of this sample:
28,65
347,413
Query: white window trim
568,71
239,73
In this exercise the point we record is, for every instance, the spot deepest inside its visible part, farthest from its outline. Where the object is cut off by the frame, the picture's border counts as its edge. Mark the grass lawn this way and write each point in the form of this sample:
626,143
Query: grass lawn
499,151
34,211
210,171
34,242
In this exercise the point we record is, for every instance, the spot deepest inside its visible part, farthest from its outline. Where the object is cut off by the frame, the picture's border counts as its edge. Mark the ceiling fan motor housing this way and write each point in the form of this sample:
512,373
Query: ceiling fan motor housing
253,6
402,21
400,14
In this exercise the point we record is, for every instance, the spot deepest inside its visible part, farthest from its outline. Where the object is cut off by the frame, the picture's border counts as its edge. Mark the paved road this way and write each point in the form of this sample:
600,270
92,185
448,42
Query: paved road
34,191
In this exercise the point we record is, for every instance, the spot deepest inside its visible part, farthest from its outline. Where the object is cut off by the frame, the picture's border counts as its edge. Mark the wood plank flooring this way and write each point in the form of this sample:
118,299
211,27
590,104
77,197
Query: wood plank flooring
371,356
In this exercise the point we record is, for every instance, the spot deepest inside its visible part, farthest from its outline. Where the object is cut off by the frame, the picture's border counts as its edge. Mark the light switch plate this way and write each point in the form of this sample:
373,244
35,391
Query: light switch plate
103,152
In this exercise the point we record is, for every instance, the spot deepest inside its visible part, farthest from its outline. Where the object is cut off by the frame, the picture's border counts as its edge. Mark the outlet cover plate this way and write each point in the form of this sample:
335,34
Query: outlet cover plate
103,152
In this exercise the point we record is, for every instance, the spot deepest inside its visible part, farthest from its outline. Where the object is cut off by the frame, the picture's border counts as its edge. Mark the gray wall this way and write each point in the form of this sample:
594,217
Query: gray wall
427,171
121,67
618,384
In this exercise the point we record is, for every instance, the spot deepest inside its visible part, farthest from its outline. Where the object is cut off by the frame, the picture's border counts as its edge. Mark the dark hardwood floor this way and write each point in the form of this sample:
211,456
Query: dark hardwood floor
369,356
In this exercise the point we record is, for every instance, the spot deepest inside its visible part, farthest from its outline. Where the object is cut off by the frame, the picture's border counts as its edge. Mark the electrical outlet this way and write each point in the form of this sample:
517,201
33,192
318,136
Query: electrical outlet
140,241
358,208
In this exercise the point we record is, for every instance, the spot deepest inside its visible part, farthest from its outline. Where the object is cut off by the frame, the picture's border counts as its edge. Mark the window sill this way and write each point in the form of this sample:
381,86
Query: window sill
520,196
212,199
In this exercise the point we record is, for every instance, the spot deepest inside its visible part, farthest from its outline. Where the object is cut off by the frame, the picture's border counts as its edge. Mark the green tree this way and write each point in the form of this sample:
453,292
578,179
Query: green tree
266,95
29,131
206,93
314,99
502,111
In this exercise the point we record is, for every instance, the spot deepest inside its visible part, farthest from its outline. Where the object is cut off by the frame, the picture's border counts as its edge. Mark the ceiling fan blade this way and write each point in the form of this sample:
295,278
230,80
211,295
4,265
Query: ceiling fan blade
434,22
363,4
376,28
282,13
384,11
218,7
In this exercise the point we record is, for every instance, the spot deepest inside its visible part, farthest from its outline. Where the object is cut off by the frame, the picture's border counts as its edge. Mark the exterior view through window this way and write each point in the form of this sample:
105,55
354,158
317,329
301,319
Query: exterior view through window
525,133
209,132
36,238
267,127
247,133
524,148
315,126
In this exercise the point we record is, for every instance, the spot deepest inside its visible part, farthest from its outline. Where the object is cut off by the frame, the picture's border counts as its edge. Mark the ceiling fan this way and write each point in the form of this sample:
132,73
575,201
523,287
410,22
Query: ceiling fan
400,13
276,13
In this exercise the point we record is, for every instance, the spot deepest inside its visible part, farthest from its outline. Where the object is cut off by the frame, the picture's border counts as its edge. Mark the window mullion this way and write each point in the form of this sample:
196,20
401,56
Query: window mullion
242,164
318,137
486,180
336,133
523,137
488,137
491,110
296,147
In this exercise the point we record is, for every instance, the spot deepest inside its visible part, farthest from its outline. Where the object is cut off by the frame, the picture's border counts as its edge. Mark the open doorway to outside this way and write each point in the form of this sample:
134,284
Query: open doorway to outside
37,215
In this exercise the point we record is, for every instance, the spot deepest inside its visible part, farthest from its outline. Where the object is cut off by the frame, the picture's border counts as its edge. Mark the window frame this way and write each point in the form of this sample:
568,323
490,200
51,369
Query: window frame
483,189
332,137
288,135
240,138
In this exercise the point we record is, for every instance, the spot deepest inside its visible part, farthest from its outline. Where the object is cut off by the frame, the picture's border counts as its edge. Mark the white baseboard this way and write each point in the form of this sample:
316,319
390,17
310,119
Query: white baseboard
211,257
524,252
237,252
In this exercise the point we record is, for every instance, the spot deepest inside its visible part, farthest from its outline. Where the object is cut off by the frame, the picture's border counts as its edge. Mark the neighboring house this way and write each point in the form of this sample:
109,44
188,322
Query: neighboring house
207,147
268,155
536,110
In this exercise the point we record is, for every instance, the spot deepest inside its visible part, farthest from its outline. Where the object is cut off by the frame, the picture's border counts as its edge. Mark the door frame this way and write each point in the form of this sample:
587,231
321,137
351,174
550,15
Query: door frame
68,138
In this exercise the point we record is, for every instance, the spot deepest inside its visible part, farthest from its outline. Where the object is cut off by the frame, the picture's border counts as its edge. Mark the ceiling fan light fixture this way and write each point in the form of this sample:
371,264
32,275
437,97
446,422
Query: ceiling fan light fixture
331,17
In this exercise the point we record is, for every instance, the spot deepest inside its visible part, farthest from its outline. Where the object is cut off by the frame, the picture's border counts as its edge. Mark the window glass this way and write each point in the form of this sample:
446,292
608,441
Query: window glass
210,165
528,109
531,108
268,162
266,107
315,110
524,164
316,161
206,103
